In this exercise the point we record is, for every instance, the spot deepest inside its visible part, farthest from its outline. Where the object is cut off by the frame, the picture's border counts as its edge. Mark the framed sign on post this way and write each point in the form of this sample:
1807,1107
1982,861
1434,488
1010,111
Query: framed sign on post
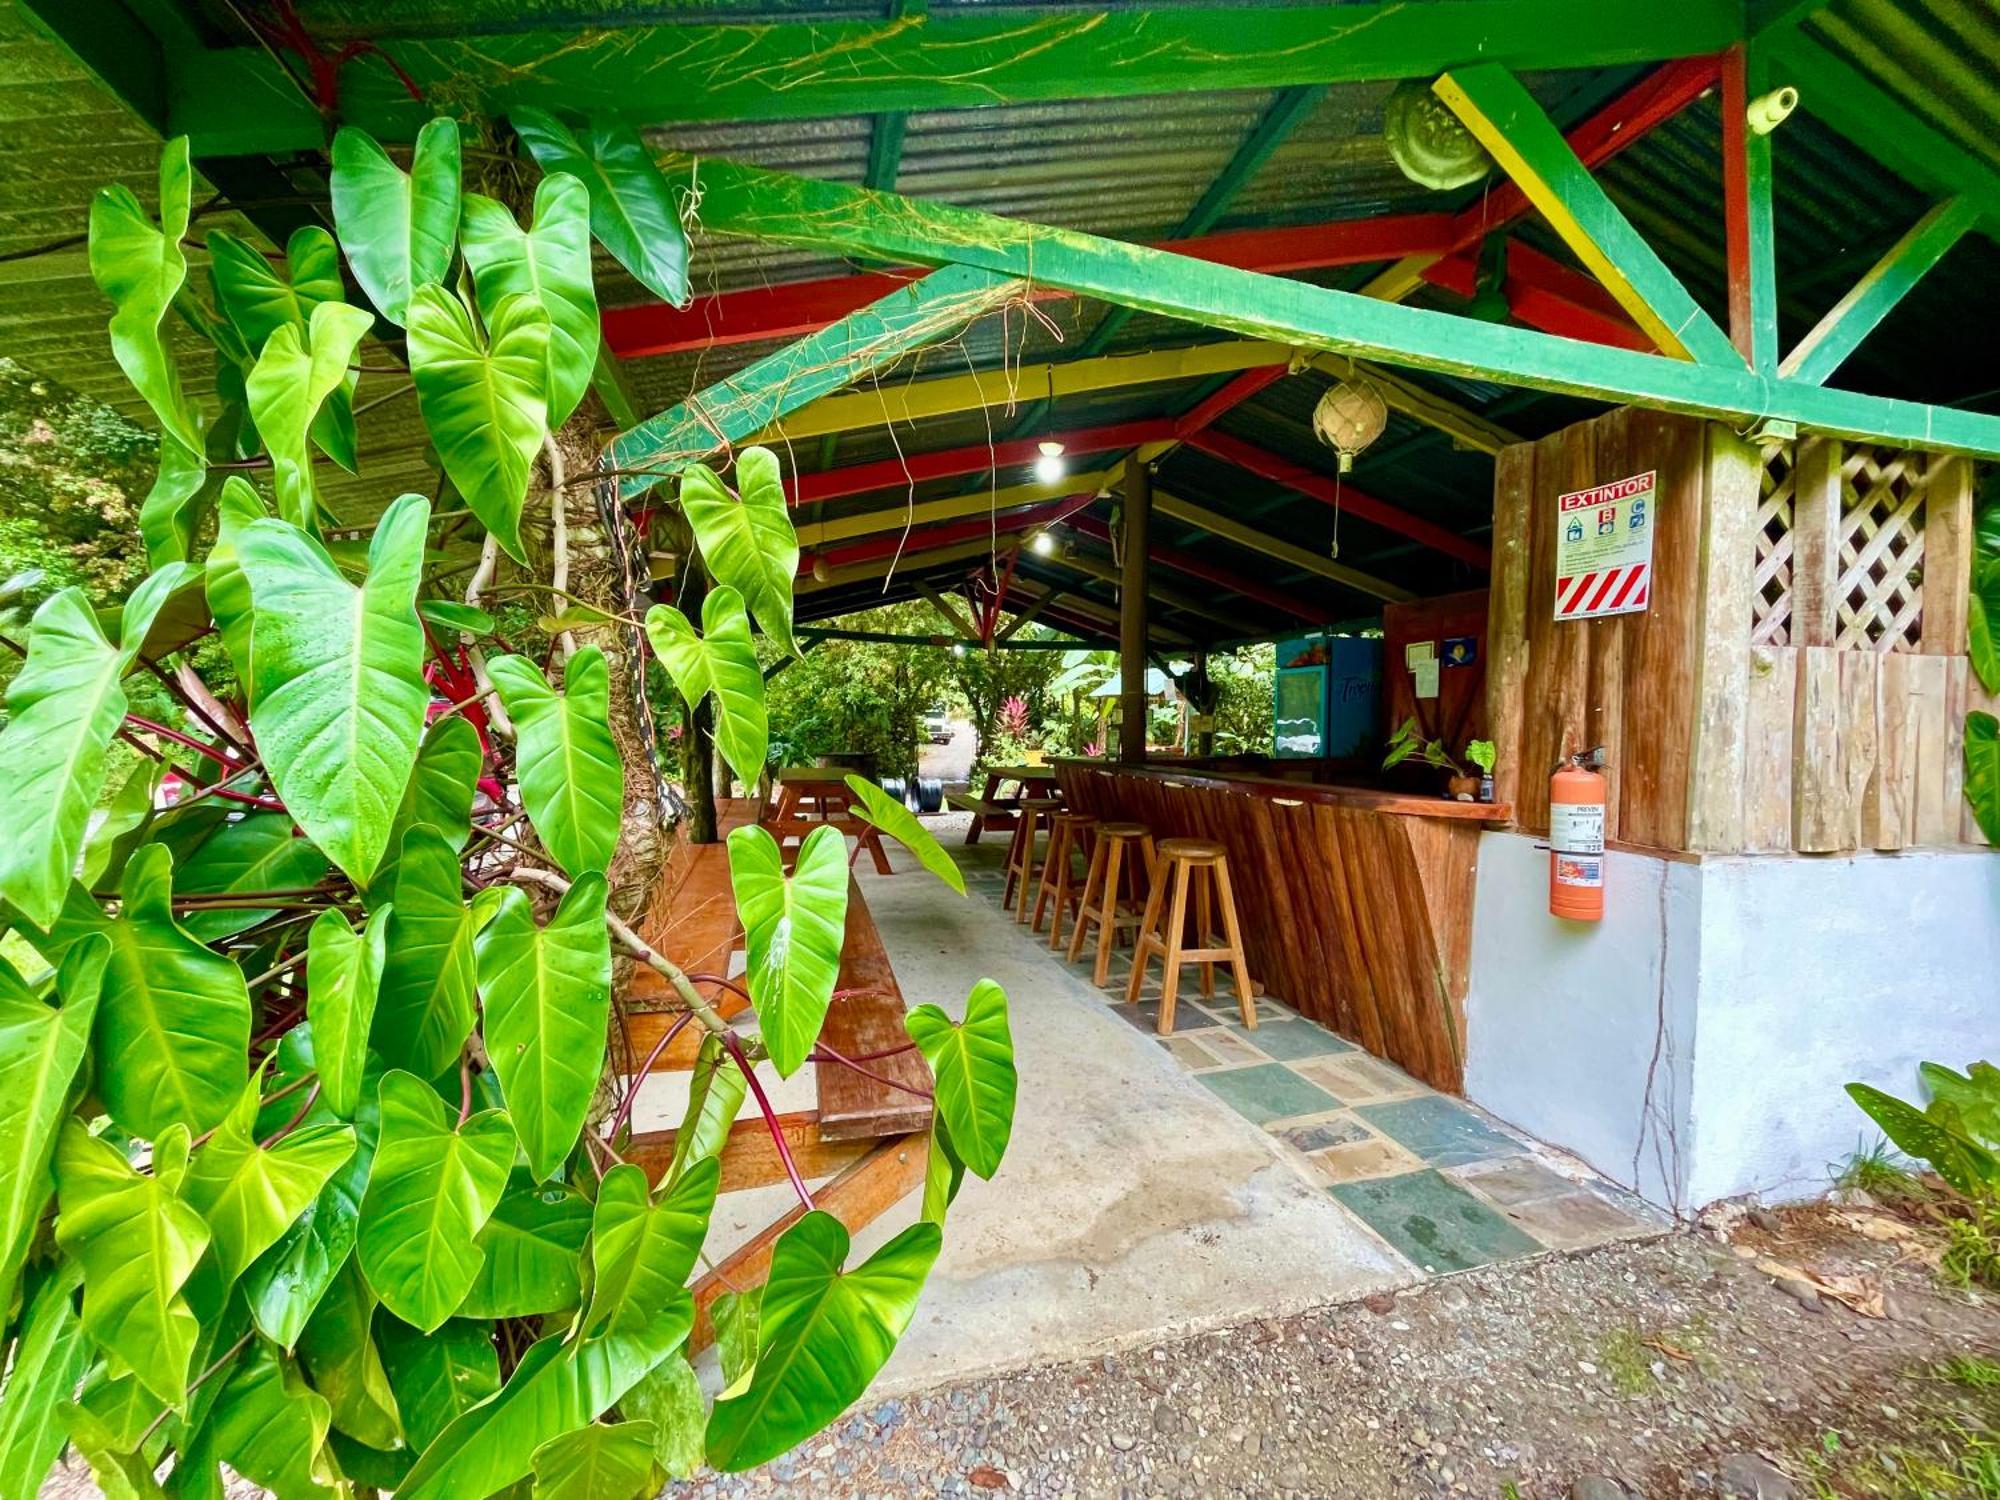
1604,549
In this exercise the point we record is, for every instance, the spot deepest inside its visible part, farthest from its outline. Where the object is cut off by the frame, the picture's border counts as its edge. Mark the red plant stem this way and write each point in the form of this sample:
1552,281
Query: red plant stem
620,1120
215,753
716,979
187,701
269,804
464,1088
770,1119
293,1123
885,1052
824,1053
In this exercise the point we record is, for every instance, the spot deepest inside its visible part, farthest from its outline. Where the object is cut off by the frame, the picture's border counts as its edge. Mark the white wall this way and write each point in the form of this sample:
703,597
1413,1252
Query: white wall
1746,990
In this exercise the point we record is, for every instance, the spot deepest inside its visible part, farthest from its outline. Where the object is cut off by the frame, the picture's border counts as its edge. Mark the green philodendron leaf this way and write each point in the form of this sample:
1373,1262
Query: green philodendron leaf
120,1474
250,1194
432,1190
631,203
1982,772
572,781
258,298
974,1067
1983,624
547,992
49,1356
424,1011
716,1088
113,837
559,1386
397,229
440,792
343,980
439,1376
173,1025
258,853
139,265
41,1050
1975,1094
748,542
533,1246
271,1427
1958,1159
64,706
228,591
825,1334
484,400
793,929
944,1173
340,695
294,376
138,1244
550,262
721,660
449,614
603,1461
642,1251
339,1353
889,815
737,1317
672,1401
171,514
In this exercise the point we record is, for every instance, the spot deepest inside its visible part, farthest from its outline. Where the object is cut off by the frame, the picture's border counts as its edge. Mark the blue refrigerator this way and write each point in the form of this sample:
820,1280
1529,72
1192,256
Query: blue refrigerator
1324,700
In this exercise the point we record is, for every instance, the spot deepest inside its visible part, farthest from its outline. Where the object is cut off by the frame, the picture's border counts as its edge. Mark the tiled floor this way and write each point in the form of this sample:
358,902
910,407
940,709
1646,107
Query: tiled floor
1446,1186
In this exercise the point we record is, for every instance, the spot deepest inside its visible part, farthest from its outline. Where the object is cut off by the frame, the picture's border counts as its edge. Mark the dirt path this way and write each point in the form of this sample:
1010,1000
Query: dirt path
1669,1368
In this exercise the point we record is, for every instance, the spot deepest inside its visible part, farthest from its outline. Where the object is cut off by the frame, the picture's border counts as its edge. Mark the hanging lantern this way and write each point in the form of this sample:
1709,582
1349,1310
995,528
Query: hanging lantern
1350,417
1428,141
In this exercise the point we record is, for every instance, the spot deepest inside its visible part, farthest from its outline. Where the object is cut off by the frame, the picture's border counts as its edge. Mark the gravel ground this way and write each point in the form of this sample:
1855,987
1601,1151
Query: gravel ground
1666,1368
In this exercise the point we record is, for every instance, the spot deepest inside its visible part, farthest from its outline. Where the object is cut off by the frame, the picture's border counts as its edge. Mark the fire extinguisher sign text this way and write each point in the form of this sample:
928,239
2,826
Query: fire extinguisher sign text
1604,549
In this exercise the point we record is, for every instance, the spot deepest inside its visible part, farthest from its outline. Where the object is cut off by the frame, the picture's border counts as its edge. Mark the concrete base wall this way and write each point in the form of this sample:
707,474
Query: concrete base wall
1693,1045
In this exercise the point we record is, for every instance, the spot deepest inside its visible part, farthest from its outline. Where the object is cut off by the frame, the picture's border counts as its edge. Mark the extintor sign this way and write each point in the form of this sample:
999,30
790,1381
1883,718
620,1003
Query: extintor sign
1604,549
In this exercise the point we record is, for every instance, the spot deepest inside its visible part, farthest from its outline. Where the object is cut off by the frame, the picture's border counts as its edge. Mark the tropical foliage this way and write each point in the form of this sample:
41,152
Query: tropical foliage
311,1155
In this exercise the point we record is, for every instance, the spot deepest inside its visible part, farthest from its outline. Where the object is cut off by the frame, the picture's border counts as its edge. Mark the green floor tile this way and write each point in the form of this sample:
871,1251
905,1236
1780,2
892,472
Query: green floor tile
1291,1040
1442,1132
1268,1091
1434,1222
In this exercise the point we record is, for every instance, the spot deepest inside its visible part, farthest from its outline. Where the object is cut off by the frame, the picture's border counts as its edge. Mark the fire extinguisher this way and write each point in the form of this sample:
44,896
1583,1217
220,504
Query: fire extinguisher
1576,838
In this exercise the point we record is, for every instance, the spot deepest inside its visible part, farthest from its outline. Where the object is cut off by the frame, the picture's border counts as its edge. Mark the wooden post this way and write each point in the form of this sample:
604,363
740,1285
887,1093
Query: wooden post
1947,554
1135,530
1717,817
1816,541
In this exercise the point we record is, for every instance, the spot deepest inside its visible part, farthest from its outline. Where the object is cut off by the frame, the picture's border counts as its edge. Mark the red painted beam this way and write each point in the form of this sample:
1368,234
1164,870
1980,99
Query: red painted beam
1208,572
1240,389
924,538
1544,292
975,458
1355,502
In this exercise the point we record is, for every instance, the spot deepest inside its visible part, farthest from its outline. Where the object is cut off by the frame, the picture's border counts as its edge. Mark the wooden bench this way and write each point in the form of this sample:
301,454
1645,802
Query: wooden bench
989,814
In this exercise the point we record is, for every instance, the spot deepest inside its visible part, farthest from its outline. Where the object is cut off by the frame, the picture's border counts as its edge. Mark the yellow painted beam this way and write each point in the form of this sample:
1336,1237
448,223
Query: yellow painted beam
1245,535
949,612
958,507
1092,566
946,395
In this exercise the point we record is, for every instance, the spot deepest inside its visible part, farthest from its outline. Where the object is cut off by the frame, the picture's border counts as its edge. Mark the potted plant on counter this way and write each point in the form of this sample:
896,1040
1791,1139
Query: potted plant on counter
1409,742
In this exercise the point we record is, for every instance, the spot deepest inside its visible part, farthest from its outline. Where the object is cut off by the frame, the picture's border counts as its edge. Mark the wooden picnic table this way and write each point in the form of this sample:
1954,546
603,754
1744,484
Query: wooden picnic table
995,811
811,796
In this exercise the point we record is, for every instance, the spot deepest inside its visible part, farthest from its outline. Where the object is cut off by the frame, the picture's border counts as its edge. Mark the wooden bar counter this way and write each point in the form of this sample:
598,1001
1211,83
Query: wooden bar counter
1356,903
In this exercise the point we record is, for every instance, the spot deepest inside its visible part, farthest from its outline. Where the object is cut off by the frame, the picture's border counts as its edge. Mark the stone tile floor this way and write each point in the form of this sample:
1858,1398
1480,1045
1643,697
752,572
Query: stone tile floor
1442,1183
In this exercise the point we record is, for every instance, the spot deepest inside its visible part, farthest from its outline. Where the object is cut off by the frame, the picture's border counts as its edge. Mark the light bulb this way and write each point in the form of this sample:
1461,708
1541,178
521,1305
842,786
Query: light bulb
1042,544
1049,468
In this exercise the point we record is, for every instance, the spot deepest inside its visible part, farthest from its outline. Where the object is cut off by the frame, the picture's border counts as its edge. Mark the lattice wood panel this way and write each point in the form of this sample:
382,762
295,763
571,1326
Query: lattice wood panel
1771,598
1879,591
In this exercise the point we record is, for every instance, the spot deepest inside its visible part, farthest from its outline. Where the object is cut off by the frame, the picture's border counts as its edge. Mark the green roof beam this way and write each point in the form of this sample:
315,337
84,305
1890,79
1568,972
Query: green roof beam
1746,198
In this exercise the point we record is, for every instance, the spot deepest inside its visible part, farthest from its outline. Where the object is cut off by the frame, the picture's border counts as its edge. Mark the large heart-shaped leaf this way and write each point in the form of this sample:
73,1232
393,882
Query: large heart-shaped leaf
825,1333
793,929
138,264
41,1048
250,1194
721,660
438,1376
1982,772
432,1190
1958,1159
298,370
343,981
716,1087
974,1067
171,514
641,1251
484,400
603,1461
889,815
340,695
534,1250
631,203
671,1400
64,706
1983,623
126,816
559,1386
270,1427
736,1316
748,542
442,786
173,1024
397,229
944,1173
572,781
547,992
424,1011
551,263
338,1351
138,1244
261,852
49,1355
259,298
227,590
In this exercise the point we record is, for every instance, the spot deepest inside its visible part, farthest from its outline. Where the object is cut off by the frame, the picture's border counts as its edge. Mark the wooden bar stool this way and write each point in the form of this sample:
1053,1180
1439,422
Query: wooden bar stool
1205,866
1021,854
1121,849
1071,835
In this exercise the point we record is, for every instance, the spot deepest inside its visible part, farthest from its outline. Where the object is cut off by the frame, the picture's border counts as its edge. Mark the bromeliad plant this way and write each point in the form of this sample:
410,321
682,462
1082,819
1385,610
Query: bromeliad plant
310,1153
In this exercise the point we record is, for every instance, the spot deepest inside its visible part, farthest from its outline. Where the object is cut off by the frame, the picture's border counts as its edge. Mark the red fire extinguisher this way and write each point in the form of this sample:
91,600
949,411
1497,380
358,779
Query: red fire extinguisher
1576,838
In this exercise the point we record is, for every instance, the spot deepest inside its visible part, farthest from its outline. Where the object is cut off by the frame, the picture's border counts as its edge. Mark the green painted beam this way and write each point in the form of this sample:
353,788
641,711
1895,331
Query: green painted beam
1875,295
839,354
760,204
1525,141
885,141
238,100
890,638
1746,195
